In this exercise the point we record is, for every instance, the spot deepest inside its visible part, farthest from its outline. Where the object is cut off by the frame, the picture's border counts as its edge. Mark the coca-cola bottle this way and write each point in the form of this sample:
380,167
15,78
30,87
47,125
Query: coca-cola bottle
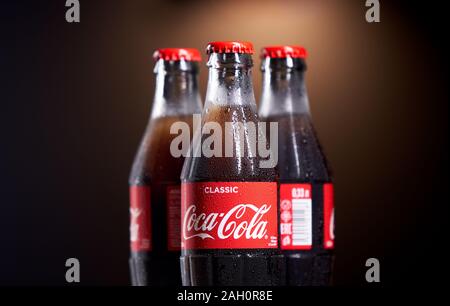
305,187
155,195
229,202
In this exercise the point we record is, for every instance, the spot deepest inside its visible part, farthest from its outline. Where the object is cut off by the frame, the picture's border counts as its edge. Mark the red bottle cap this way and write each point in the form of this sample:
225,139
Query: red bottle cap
230,47
176,54
283,52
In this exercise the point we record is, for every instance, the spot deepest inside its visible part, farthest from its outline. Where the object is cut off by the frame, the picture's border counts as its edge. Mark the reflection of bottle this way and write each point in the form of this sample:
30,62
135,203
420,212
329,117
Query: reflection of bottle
155,176
229,204
305,180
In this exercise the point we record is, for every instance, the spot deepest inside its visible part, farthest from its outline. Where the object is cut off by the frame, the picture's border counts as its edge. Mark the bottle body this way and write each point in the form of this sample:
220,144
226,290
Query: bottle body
229,216
156,175
309,263
306,209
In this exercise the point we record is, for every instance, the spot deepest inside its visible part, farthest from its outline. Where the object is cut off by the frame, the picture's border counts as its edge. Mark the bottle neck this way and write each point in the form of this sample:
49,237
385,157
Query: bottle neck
176,91
284,91
230,80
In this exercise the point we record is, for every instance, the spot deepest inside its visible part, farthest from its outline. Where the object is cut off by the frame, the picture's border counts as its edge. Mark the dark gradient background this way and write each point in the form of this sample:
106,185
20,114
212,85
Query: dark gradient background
75,99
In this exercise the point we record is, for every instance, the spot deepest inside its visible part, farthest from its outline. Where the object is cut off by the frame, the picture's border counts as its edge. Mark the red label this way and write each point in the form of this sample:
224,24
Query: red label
173,206
140,218
328,216
229,215
295,216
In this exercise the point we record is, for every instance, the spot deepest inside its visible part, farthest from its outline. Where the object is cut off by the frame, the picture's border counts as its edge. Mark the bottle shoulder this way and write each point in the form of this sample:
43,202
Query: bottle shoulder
300,154
154,159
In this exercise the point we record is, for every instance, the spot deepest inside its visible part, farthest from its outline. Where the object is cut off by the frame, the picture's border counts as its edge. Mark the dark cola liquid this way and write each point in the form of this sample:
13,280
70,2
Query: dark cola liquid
230,267
301,160
155,166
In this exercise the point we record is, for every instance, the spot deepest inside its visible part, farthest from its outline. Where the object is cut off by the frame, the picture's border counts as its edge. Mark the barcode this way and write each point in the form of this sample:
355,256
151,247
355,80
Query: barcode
301,222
